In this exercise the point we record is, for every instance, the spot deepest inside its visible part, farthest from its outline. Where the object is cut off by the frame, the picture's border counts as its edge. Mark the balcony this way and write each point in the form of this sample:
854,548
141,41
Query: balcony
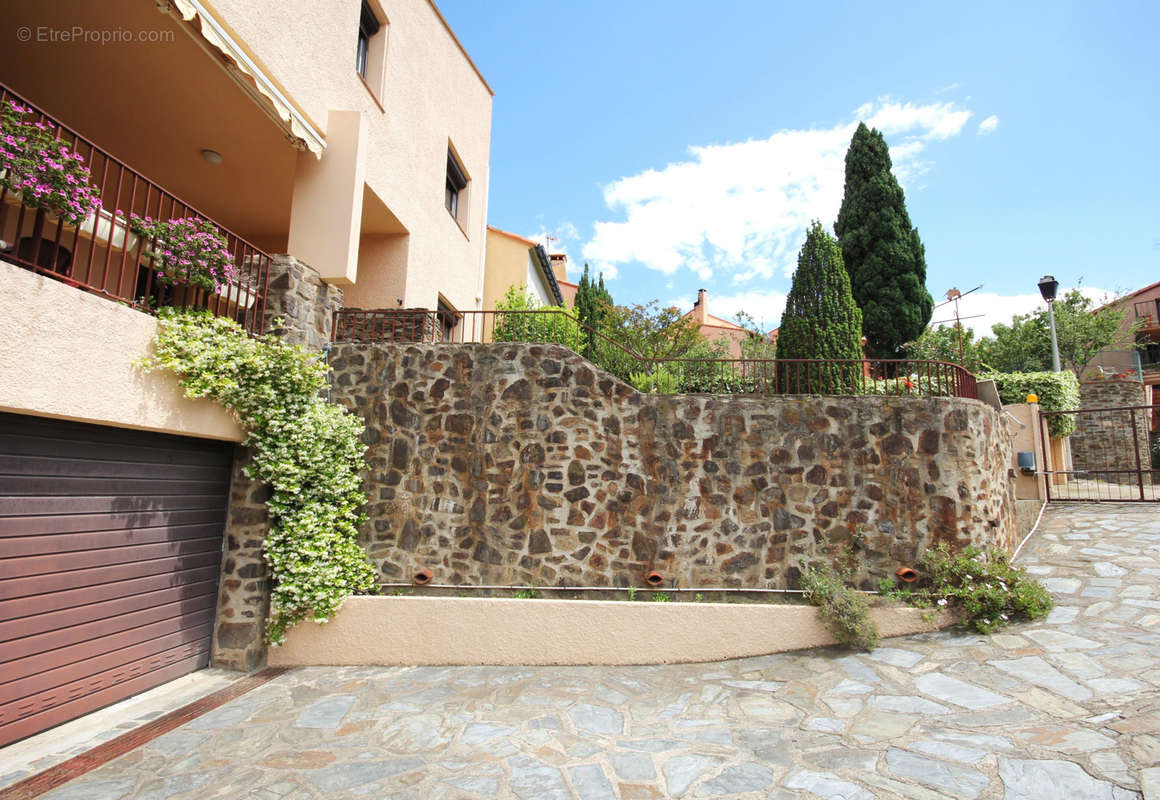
102,254
1145,313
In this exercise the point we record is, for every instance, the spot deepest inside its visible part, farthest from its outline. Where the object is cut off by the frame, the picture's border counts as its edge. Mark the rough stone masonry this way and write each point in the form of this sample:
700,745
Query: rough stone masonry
523,464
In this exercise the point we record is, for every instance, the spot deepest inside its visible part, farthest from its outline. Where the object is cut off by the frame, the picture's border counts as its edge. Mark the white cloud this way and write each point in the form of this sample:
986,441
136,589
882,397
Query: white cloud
989,308
766,307
988,125
739,211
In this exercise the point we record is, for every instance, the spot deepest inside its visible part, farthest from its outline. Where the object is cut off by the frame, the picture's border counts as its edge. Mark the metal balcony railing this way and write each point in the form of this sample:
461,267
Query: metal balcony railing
102,255
717,376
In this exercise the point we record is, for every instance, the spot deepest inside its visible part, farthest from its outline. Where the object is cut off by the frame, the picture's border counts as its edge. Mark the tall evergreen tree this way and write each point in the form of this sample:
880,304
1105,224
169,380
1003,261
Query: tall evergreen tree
883,254
592,304
821,321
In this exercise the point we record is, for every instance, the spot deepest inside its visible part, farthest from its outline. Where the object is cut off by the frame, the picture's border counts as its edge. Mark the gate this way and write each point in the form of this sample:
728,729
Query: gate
1110,456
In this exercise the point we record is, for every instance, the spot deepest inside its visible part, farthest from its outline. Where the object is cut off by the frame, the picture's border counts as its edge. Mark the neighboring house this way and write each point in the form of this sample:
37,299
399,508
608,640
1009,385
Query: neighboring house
567,288
516,261
717,329
1141,307
352,135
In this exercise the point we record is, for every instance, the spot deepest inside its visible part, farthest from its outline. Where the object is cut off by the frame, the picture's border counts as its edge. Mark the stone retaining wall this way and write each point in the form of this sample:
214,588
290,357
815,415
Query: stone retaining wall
523,464
305,304
1103,440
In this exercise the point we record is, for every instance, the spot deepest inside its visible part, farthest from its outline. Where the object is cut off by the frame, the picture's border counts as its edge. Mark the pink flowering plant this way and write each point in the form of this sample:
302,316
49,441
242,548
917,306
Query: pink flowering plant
46,172
188,250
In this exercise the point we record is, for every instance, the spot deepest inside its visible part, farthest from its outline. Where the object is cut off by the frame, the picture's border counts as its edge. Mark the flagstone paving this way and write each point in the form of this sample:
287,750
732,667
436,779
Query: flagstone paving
1065,707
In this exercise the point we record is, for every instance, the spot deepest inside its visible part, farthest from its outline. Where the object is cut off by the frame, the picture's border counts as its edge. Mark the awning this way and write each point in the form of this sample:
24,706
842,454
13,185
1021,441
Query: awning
247,74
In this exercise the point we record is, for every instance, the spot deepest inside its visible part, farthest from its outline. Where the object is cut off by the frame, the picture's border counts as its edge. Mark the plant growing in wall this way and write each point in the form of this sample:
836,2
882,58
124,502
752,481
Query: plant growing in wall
842,609
46,172
187,250
308,450
981,585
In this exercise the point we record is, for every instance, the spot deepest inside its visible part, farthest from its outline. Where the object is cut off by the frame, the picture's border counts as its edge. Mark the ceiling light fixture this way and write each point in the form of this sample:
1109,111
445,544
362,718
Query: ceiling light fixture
211,156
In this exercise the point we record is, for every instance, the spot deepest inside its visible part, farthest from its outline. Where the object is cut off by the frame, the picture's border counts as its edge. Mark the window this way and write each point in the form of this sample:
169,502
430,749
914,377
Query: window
456,183
368,26
448,320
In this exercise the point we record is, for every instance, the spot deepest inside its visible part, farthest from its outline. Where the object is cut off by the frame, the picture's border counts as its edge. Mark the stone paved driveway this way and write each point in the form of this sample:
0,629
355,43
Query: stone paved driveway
1062,709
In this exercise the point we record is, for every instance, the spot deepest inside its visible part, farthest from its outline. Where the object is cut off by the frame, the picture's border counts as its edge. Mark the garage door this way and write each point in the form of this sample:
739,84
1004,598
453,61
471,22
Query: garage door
110,545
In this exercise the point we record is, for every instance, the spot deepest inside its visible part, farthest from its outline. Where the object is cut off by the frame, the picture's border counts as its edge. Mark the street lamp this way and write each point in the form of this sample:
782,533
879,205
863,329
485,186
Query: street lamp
1048,286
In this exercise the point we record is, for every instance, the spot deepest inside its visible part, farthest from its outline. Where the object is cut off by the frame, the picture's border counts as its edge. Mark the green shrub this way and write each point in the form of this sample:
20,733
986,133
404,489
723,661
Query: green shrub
659,381
842,609
923,386
552,325
309,452
528,593
660,597
1058,391
979,584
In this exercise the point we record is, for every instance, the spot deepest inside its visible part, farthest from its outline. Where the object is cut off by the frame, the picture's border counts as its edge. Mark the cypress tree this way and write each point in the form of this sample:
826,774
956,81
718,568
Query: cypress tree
592,304
883,254
821,321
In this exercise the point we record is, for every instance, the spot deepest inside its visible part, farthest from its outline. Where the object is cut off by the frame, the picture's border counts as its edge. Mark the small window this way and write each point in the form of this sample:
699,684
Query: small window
448,320
368,26
456,183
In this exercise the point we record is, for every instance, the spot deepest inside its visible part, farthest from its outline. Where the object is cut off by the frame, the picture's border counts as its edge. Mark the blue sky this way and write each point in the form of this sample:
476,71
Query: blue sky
685,145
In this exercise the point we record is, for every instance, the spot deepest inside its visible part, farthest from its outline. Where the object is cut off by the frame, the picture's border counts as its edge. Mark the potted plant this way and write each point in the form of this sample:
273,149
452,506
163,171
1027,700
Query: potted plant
187,251
47,173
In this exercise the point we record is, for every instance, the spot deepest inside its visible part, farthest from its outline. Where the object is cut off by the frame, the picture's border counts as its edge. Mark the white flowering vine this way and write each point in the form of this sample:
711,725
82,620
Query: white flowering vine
308,450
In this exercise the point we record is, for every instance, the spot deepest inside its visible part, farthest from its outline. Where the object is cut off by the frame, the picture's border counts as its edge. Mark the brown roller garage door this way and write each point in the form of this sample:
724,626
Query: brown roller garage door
110,544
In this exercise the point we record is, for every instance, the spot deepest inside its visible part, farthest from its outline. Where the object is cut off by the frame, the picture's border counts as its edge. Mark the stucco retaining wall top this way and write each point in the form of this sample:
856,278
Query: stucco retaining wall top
523,464
69,354
418,631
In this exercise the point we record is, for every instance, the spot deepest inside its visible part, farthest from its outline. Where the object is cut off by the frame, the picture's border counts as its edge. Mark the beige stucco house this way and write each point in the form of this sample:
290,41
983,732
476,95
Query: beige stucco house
352,134
337,147
518,261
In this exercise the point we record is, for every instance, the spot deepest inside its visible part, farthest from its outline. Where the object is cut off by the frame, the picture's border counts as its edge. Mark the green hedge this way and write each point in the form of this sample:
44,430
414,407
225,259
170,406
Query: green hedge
1058,391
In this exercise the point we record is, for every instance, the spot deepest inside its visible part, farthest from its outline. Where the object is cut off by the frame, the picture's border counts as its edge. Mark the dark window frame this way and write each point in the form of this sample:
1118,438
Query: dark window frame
368,26
456,183
448,320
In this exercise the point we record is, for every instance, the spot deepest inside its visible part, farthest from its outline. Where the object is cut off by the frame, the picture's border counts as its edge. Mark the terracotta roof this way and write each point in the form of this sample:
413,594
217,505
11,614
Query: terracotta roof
510,235
717,322
1129,294
569,283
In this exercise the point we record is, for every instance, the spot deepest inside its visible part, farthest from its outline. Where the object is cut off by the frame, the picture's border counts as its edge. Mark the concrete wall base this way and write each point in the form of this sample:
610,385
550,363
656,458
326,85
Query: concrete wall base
430,631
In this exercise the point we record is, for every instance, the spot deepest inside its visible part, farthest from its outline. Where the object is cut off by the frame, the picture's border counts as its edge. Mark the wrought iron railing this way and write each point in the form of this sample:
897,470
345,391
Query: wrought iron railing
724,376
104,256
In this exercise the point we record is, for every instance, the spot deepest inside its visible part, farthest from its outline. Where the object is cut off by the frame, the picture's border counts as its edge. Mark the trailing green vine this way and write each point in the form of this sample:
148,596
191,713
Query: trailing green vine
308,450
842,609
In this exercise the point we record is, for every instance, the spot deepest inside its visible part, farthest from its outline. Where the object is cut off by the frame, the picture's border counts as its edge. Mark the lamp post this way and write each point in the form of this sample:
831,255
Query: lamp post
1048,286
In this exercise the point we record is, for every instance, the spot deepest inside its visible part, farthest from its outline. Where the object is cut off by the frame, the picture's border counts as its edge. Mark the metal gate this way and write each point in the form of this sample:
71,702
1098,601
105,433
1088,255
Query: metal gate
1108,456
